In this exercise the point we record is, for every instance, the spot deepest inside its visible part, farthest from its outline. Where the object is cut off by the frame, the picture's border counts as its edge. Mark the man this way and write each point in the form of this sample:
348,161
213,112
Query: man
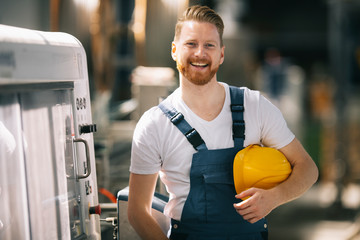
191,140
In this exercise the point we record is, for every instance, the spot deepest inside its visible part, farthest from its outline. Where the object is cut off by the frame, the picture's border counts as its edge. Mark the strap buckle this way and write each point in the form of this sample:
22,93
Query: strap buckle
237,108
177,118
239,129
194,138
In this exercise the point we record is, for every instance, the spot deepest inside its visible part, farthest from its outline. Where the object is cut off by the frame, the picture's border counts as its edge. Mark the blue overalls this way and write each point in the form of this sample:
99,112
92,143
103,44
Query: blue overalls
208,211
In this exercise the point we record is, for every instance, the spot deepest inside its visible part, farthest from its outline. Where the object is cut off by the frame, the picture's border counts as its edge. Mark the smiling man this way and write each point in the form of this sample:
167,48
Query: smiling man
199,58
191,139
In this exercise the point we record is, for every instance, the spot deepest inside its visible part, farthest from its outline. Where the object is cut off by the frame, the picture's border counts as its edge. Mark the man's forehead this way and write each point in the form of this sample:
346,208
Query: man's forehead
194,23
196,28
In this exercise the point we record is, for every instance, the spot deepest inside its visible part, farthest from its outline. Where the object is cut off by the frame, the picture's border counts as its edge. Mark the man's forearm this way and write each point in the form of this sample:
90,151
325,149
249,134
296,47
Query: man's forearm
146,226
141,190
298,183
303,176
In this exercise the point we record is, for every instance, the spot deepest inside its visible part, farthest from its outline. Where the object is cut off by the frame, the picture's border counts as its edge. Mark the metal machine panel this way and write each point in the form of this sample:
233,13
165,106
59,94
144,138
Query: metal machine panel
44,117
45,126
13,193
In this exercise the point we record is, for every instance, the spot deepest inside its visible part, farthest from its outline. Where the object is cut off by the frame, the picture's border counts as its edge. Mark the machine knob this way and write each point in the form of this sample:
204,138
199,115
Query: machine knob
95,210
87,128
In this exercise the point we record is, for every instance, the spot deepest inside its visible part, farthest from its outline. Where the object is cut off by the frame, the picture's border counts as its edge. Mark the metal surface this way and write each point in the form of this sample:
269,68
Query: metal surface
47,172
14,207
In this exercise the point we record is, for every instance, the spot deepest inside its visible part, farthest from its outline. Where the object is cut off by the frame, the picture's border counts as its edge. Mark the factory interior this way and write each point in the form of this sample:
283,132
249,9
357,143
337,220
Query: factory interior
315,43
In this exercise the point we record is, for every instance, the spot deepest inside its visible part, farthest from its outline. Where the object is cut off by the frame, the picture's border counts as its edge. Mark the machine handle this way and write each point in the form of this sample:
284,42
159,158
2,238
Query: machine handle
87,152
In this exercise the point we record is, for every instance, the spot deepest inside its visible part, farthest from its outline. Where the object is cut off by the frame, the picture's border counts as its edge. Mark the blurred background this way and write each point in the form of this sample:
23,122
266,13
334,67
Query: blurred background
303,55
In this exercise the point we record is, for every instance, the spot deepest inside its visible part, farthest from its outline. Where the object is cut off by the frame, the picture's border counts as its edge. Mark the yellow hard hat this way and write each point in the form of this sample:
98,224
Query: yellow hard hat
260,167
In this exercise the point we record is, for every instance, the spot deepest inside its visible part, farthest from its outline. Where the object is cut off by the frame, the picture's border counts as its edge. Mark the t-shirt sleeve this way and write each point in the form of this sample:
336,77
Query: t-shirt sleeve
145,157
274,130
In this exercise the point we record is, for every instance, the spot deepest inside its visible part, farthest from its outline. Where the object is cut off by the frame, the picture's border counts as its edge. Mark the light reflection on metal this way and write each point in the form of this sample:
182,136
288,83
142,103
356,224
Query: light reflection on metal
140,20
89,5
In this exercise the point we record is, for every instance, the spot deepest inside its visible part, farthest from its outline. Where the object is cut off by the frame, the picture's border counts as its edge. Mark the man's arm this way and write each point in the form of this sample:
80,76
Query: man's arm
141,190
262,202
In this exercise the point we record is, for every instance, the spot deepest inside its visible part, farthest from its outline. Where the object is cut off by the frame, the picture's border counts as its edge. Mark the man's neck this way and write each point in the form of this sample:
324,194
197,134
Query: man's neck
206,101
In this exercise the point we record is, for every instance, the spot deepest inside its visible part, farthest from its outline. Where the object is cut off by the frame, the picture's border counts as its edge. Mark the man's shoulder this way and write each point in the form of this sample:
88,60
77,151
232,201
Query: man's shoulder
153,113
249,94
150,118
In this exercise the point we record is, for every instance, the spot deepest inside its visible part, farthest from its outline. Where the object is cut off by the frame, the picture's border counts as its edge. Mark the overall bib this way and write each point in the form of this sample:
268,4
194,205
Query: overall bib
208,211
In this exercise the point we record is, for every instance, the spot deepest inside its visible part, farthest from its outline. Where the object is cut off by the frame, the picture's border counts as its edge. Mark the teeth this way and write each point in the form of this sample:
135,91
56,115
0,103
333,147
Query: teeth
199,64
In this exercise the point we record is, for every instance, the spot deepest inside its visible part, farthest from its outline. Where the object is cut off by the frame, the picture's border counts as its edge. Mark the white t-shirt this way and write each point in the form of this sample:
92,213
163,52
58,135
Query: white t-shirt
158,145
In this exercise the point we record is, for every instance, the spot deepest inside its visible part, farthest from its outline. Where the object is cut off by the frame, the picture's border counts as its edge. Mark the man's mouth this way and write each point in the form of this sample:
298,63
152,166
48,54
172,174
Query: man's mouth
197,64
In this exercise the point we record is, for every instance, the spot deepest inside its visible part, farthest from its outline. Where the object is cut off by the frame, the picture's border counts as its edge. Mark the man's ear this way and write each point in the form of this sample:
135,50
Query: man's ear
222,57
173,51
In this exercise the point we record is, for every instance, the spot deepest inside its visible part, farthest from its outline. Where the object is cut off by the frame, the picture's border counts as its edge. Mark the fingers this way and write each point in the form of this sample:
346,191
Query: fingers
244,208
250,217
249,208
249,213
246,194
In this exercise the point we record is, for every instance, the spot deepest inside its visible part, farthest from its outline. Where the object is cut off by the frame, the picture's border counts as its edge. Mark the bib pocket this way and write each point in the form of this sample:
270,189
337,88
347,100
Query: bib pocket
220,197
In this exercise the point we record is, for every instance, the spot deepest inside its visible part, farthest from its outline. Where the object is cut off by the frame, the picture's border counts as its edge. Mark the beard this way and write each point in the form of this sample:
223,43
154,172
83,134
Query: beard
196,77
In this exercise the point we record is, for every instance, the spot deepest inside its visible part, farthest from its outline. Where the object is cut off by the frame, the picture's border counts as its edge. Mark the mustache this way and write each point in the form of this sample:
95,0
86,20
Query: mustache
200,60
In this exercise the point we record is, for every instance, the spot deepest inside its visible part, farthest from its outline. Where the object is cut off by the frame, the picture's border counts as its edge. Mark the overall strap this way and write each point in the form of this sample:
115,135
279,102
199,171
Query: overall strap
237,111
177,118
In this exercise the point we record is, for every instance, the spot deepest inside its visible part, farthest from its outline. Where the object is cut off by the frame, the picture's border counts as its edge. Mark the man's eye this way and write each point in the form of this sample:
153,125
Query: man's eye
191,44
209,45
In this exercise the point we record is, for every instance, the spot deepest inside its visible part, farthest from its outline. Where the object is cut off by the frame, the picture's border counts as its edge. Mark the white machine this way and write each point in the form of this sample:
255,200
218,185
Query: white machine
48,182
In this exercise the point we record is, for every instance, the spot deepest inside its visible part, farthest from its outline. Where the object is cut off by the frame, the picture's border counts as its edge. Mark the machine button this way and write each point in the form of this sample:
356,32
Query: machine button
87,128
95,210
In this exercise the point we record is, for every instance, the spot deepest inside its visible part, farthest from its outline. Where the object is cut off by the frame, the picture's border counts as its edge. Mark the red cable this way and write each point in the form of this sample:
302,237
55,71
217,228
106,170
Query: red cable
107,194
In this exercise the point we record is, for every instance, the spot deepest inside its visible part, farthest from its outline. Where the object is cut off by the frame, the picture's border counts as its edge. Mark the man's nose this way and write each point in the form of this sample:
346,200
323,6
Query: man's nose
200,51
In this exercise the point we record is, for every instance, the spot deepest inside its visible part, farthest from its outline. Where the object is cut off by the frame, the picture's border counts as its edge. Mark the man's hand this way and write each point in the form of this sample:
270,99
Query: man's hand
257,206
261,202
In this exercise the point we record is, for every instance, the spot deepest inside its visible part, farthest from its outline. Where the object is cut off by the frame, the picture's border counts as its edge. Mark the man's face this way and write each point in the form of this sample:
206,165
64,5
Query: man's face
197,52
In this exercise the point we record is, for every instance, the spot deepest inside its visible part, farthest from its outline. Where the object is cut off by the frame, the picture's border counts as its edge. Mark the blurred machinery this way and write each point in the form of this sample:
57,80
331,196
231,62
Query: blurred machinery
344,45
48,178
48,186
